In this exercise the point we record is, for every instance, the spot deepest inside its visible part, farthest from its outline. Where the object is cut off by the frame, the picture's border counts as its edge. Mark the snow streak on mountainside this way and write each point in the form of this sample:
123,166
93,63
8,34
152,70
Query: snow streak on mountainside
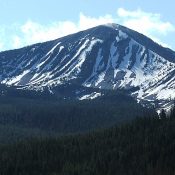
107,57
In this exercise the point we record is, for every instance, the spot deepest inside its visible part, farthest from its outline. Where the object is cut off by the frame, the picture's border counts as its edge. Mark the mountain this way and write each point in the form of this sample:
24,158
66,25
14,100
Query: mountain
104,57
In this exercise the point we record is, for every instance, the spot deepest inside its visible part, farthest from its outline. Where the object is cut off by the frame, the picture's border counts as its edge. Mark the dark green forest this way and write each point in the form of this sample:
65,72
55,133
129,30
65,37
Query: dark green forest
111,135
22,117
144,146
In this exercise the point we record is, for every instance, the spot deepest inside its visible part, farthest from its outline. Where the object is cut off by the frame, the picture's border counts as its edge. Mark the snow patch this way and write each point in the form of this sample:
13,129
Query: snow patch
15,80
90,96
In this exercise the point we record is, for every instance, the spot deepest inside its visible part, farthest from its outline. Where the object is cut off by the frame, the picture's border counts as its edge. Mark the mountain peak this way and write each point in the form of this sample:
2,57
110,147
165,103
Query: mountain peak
112,25
108,56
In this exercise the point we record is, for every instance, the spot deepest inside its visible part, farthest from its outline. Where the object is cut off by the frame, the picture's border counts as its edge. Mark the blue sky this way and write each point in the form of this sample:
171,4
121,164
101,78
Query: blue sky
24,22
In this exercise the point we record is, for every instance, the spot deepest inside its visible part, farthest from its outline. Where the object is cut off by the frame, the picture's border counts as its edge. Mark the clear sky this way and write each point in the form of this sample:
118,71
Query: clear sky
24,22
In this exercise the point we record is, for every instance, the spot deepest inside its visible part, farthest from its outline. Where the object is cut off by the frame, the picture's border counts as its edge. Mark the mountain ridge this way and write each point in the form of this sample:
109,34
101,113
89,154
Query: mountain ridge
107,57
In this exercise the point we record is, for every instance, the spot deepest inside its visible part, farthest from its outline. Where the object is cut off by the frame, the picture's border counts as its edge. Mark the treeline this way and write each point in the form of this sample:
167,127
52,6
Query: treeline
22,117
145,146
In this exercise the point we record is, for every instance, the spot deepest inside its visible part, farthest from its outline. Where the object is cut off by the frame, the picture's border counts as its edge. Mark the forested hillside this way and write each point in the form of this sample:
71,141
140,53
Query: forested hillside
23,117
145,146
